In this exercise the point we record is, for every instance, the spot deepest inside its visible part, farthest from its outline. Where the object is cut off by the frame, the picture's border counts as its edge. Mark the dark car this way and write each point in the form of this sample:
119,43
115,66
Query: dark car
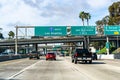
94,56
34,54
81,55
50,56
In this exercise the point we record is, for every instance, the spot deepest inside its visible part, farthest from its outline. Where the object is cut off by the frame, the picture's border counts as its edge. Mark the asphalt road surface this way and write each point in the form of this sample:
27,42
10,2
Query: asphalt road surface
61,69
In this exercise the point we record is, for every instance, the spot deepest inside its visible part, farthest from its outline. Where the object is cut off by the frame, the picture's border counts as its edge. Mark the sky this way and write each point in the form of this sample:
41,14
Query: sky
49,12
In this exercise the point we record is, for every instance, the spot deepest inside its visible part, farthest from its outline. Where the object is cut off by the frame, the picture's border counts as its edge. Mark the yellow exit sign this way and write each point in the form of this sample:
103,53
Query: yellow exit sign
116,33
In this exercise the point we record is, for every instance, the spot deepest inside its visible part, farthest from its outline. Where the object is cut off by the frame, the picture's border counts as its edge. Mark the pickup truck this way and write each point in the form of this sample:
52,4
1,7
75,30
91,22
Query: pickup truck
81,55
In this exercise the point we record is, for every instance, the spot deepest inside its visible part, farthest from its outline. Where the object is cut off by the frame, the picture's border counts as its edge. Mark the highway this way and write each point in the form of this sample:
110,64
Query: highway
61,69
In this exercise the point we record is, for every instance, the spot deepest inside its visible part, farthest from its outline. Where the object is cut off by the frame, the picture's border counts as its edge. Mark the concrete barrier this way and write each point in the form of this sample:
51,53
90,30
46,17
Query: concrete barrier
117,56
12,57
4,58
103,56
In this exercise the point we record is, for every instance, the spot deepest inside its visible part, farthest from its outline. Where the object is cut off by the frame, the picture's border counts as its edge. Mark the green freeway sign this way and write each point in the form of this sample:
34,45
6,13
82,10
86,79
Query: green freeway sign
83,30
111,30
50,31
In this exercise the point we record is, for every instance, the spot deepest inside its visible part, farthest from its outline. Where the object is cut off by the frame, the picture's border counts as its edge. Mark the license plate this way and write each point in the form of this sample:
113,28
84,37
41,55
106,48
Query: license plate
84,58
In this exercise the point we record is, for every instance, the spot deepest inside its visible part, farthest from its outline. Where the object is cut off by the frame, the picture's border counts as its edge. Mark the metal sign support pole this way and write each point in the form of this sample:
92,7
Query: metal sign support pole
16,41
108,47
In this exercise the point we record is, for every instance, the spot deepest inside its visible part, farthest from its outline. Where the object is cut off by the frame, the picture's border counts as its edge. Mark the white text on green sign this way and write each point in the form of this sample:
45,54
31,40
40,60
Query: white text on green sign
83,30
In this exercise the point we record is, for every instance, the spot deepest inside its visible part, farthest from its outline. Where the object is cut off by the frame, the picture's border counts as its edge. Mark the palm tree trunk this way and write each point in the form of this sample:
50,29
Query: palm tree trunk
88,22
83,22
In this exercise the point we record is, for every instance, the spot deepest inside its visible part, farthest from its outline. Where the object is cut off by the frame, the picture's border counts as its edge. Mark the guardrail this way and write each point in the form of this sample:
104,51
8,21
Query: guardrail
12,57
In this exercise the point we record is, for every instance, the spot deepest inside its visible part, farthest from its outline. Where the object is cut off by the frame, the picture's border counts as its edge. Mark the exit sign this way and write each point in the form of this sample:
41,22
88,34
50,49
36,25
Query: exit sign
112,30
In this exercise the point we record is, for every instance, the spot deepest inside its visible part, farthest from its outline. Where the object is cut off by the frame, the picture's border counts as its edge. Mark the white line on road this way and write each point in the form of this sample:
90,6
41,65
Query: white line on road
80,71
23,70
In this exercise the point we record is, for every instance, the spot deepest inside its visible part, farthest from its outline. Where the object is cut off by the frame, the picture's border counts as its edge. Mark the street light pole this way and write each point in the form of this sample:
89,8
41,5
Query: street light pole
117,42
16,41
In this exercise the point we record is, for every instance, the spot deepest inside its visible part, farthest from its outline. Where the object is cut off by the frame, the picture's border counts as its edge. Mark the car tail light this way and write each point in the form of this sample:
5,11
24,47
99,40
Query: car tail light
76,54
47,55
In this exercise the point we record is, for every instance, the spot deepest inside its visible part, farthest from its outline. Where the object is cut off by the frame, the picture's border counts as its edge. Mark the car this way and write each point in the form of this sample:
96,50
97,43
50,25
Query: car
42,53
7,52
81,55
34,54
51,56
61,55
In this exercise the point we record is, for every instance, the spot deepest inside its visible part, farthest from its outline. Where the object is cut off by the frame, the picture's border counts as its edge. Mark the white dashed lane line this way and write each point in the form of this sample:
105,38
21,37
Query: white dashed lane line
23,70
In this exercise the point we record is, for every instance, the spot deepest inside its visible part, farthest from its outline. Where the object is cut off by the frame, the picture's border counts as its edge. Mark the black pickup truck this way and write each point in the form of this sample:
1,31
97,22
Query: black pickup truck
81,55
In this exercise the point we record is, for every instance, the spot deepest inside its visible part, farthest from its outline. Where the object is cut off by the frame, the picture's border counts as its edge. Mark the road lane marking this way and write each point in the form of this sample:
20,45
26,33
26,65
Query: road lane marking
21,71
76,68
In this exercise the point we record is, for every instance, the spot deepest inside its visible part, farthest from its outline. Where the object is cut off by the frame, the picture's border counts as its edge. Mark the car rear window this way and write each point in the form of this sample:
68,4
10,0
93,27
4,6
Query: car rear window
81,50
51,53
34,52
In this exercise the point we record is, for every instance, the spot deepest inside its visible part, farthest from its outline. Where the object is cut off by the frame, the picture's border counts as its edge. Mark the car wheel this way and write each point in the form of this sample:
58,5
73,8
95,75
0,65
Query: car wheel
90,62
72,60
85,61
30,58
38,58
75,61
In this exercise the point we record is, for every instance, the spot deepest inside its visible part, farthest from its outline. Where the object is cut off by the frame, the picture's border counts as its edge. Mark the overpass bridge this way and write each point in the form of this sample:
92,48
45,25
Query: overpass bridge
41,41
56,40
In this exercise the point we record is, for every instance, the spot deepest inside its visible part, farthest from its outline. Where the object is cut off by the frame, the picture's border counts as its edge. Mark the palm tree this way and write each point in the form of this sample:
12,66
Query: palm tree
99,22
114,11
105,20
87,17
82,16
11,34
1,36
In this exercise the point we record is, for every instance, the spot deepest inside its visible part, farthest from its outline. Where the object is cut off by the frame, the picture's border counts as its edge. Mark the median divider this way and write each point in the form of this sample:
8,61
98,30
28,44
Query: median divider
110,56
12,57
117,56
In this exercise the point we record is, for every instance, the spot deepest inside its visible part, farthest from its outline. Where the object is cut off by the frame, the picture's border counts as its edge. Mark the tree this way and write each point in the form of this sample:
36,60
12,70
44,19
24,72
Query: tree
11,34
87,17
113,18
82,16
1,36
114,11
105,20
99,22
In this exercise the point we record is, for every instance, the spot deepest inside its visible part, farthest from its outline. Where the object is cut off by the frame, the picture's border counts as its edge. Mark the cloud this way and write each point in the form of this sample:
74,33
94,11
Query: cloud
97,4
47,12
